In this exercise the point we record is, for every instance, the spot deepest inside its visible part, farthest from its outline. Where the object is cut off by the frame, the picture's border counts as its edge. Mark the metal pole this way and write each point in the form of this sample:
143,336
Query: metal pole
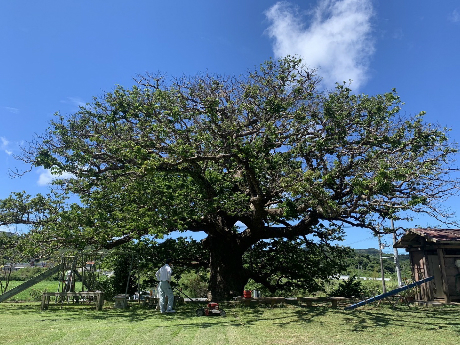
129,273
391,293
396,258
384,288
139,277
83,270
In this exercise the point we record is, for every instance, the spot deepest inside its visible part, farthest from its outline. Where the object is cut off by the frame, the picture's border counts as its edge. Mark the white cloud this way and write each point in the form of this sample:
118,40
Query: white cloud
398,34
337,40
12,110
74,101
455,16
4,146
46,177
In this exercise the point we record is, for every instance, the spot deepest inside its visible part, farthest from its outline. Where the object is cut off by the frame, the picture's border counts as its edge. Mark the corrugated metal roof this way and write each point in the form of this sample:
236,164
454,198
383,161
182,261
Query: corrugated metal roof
437,235
451,236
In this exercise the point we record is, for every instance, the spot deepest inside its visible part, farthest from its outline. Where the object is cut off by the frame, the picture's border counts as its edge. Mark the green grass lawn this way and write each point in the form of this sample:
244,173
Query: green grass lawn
24,323
34,293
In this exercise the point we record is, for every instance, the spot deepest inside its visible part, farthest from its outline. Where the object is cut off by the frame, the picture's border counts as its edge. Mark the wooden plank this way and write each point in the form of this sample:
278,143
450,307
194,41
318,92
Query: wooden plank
272,300
445,286
44,305
98,297
335,301
309,300
424,289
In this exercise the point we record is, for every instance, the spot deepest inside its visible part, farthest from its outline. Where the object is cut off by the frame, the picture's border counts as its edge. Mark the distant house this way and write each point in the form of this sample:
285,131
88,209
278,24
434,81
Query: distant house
434,252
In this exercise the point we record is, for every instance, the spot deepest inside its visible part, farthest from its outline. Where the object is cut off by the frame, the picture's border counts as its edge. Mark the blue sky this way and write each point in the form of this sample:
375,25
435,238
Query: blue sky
58,54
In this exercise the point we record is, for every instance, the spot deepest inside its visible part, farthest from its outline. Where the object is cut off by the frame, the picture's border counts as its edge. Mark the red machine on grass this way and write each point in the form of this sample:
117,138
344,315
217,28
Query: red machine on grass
211,310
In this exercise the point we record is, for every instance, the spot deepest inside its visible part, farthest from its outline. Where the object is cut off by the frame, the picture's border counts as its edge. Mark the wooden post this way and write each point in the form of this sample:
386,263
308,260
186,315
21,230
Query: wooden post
99,300
424,288
396,259
44,305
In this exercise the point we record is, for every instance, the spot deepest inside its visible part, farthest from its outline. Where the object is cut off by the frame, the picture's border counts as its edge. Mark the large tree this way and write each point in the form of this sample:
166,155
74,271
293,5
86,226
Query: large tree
267,155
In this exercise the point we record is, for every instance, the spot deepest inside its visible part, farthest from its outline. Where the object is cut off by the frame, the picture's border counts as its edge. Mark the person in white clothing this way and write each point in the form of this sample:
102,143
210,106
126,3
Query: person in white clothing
163,275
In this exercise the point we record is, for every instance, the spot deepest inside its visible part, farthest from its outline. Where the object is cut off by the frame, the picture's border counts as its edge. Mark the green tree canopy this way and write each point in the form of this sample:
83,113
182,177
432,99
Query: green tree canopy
263,156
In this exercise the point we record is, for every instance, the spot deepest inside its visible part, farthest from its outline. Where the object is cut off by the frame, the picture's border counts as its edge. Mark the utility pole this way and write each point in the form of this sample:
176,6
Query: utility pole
384,288
396,259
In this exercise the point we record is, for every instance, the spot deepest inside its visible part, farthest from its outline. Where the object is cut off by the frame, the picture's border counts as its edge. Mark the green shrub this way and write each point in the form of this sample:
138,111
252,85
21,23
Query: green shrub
348,288
194,284
26,273
107,285
36,294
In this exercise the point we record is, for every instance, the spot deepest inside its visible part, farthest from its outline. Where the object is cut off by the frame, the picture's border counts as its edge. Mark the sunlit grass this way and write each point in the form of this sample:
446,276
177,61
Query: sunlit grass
34,292
24,323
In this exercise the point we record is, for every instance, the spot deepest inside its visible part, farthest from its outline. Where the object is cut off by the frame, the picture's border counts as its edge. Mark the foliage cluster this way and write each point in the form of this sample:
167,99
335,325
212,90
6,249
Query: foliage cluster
366,263
246,160
9,253
285,267
194,285
351,287
125,277
27,273
276,266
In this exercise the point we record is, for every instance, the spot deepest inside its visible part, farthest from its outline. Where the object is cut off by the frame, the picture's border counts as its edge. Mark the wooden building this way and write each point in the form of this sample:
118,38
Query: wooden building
434,252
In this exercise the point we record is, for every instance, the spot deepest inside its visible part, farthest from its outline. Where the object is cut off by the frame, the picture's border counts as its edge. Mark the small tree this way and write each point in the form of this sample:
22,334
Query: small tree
9,255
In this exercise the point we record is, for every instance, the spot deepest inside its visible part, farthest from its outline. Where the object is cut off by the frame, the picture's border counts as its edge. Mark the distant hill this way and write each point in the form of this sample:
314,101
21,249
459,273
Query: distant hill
374,251
368,251
366,262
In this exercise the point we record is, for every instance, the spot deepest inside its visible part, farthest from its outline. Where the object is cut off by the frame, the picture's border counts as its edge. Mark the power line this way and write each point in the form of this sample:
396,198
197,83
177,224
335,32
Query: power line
366,239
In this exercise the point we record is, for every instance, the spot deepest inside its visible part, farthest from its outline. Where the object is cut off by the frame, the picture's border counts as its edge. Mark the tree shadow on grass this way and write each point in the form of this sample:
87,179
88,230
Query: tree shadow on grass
358,320
18,308
308,314
185,315
427,318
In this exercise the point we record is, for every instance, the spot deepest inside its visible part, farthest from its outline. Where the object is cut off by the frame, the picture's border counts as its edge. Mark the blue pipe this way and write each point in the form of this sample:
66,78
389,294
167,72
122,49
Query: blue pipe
389,293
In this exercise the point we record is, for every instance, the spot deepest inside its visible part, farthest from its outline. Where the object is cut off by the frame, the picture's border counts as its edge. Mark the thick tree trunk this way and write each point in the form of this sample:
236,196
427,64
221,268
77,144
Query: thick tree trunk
228,276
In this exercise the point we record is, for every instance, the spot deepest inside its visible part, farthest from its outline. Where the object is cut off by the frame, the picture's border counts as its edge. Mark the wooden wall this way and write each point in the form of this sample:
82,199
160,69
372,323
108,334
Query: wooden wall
419,270
427,262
